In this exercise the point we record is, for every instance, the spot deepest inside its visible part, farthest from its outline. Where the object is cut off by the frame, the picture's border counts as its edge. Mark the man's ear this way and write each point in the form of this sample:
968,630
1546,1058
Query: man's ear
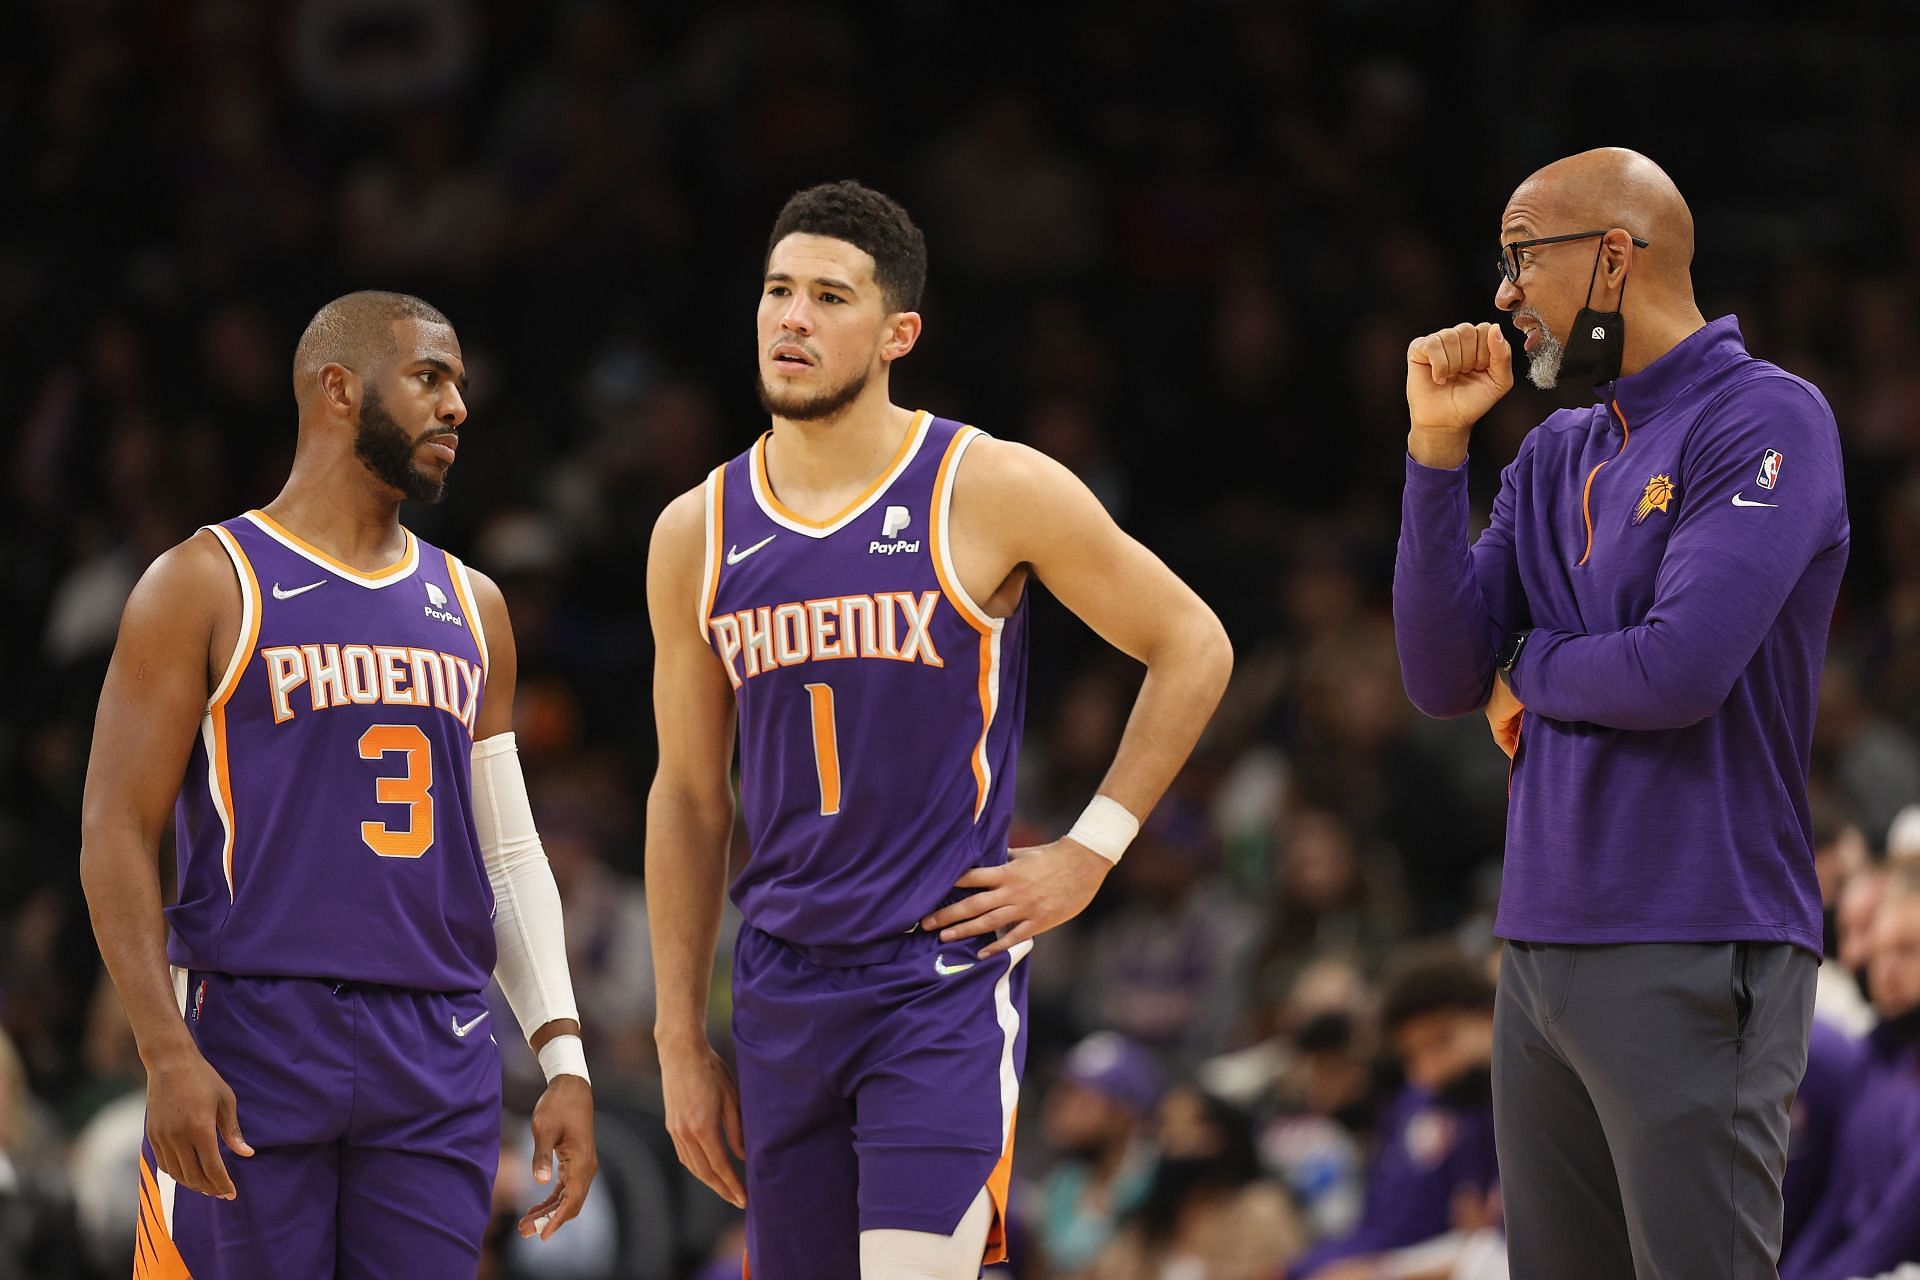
339,389
903,331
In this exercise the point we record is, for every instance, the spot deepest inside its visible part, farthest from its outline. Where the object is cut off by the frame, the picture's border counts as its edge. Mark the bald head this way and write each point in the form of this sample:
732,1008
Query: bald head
356,330
1613,187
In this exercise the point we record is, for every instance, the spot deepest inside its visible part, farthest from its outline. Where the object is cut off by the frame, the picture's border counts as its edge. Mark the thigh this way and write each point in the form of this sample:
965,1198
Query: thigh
1693,1052
410,1214
1564,1218
284,1046
278,1226
789,1023
938,1089
418,1163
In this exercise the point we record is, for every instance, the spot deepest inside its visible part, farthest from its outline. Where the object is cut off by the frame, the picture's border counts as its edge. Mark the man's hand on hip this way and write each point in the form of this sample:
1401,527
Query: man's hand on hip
1034,890
1503,715
1453,377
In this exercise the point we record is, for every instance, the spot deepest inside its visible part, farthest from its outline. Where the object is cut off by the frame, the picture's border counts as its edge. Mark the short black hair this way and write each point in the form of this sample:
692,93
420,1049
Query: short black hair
867,220
1434,980
358,327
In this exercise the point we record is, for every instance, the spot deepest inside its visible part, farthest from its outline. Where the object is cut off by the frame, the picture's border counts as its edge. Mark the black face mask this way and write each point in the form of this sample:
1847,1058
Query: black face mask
1594,348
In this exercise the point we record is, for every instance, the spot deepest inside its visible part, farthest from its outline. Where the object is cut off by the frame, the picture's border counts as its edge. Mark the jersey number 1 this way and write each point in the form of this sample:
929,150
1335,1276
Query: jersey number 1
414,789
826,748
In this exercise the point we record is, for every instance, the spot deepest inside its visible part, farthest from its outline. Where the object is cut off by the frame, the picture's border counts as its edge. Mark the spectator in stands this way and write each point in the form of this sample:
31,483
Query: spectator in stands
1863,1221
1208,1215
1099,1115
1434,1161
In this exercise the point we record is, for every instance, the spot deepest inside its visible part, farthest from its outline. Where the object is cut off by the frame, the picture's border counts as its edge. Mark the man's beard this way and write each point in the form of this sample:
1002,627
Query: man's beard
1543,362
387,450
814,408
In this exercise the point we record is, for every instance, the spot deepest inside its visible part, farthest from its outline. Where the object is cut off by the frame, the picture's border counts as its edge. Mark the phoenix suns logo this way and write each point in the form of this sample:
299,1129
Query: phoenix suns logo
1659,493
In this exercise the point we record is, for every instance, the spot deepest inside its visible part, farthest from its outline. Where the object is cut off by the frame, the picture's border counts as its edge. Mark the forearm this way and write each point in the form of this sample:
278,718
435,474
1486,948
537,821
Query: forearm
1443,628
1642,678
1186,676
686,883
120,876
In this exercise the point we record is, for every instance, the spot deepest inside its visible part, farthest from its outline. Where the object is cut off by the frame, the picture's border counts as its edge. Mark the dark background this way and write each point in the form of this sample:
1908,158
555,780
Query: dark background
1181,248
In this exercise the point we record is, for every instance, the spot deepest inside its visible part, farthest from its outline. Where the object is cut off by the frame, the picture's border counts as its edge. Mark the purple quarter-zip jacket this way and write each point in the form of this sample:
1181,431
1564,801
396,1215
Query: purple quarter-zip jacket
1674,555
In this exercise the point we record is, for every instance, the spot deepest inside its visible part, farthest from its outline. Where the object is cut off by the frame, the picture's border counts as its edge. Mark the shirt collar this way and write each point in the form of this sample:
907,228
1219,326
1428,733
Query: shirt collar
1708,349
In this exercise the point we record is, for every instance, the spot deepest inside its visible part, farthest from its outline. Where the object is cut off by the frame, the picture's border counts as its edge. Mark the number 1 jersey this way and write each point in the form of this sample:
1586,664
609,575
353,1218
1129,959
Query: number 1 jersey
880,705
325,828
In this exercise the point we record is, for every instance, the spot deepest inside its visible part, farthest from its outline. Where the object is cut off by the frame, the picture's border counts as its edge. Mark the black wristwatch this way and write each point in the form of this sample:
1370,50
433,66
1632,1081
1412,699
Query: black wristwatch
1509,650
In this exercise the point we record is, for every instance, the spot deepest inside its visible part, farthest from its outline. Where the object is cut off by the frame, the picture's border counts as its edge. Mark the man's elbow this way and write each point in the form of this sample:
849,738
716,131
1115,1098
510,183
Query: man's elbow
1445,701
1213,651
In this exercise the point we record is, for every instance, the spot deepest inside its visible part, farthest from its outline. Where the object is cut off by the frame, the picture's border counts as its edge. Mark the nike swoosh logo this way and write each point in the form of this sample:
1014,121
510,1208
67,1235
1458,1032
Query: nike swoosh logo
941,967
461,1028
1739,501
278,594
735,555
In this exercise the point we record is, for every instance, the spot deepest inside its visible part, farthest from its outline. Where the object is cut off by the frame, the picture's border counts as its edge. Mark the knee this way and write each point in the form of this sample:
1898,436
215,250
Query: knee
928,1255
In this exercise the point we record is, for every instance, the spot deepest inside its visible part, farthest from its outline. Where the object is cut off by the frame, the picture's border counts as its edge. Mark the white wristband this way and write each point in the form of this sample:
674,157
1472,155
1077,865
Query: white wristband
564,1056
1106,828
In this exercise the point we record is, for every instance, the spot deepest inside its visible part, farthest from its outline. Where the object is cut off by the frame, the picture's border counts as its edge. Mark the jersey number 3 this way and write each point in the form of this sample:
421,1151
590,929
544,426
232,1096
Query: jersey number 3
414,789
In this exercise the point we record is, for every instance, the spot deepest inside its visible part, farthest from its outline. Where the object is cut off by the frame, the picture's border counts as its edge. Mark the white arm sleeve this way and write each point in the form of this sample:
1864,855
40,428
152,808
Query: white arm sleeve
532,941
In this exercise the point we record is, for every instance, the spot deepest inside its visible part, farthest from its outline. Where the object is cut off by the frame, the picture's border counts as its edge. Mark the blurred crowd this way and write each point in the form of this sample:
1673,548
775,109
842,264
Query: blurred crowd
1179,247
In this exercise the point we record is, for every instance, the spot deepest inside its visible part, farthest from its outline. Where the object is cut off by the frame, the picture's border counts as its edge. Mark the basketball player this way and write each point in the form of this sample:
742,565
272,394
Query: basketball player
326,703
854,586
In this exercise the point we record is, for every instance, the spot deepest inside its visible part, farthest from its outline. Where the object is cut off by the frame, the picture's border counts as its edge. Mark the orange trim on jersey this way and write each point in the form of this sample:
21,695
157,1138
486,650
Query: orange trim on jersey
1586,494
249,583
457,577
217,712
403,565
997,1183
866,495
937,535
936,546
716,542
155,1257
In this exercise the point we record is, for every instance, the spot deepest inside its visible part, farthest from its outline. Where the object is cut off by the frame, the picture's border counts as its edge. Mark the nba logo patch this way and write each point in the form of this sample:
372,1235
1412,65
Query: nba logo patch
199,999
1769,469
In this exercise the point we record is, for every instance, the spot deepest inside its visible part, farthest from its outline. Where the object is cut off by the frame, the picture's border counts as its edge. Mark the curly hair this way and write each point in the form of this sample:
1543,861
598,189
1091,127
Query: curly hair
868,220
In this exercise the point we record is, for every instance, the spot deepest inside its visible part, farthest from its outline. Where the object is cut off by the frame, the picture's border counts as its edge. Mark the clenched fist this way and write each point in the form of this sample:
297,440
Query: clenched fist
1453,377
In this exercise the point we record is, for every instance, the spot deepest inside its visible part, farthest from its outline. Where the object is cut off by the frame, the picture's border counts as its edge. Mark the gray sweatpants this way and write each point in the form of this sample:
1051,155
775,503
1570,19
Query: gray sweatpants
1640,1098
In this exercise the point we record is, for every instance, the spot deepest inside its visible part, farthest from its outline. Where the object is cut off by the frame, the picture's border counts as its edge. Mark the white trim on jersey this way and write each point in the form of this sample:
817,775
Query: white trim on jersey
989,627
769,505
241,642
471,600
162,1180
943,506
710,565
1009,1018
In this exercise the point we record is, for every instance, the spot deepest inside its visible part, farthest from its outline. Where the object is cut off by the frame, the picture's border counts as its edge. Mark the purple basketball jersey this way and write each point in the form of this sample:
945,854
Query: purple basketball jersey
324,828
880,706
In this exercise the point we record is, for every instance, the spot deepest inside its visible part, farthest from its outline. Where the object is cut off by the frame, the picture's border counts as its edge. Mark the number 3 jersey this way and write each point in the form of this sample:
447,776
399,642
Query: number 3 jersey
880,706
324,828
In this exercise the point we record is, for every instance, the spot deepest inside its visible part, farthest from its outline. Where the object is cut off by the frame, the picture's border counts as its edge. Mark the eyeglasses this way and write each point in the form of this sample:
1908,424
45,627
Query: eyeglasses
1510,264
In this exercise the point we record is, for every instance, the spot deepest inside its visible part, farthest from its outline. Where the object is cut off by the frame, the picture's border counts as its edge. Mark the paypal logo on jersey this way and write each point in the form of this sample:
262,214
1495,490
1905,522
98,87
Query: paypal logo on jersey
436,606
897,518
